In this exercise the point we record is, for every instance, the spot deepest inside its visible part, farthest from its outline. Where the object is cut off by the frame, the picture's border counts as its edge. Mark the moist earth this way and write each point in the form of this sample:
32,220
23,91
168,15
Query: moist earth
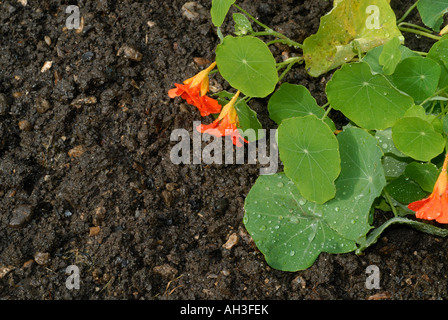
86,178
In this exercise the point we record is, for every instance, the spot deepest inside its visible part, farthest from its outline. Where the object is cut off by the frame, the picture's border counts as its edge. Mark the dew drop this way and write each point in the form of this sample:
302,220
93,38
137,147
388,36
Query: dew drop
263,228
280,184
292,253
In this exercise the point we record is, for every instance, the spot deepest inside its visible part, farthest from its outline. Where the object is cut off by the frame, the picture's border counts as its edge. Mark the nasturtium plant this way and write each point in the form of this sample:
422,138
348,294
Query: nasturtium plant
389,157
291,231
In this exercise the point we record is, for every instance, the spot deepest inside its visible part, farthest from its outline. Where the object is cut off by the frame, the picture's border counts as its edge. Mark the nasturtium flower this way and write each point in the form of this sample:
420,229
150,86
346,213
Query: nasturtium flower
194,91
226,124
436,205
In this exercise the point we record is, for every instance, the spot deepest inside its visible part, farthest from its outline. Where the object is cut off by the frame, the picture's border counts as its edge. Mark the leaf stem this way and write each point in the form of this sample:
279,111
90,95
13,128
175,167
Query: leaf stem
420,32
434,95
269,32
291,61
389,200
283,38
415,26
405,15
326,111
251,17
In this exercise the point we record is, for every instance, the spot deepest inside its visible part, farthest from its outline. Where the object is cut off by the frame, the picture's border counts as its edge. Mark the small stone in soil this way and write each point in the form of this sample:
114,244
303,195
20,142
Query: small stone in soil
20,216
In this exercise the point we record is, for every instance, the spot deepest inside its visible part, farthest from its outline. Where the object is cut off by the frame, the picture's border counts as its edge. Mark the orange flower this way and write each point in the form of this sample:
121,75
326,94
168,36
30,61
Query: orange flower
436,205
194,92
226,124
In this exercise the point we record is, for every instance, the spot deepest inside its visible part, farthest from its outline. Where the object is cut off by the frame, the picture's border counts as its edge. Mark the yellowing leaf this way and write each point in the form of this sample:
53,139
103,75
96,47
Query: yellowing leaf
352,26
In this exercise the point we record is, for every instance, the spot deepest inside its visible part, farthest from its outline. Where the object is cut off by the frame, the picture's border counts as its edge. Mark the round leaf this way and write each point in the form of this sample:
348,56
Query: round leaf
368,100
248,65
417,138
285,229
417,76
291,101
310,154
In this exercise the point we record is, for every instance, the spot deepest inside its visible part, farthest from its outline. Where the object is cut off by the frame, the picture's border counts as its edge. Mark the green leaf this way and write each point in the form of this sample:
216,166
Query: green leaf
405,190
291,232
417,76
361,181
366,99
425,174
386,143
242,24
432,12
309,152
219,10
373,57
248,65
352,23
417,138
248,122
394,166
291,101
390,56
439,53
285,230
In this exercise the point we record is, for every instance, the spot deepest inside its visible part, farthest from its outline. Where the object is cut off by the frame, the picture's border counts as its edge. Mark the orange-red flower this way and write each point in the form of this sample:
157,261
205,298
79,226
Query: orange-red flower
226,124
194,90
436,205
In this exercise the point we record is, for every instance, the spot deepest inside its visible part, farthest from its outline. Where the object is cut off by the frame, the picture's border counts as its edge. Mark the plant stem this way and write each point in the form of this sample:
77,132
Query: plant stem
326,111
415,26
251,17
289,61
421,53
283,38
405,15
419,32
434,95
389,200
269,32
420,226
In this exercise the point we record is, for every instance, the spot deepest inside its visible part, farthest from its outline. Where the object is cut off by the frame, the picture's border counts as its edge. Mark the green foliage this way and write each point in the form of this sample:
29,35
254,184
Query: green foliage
248,65
369,100
432,12
219,11
396,102
292,231
311,158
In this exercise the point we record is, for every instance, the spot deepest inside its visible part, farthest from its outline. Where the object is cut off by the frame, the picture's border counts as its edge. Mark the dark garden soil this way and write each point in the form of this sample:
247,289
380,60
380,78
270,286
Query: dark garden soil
86,177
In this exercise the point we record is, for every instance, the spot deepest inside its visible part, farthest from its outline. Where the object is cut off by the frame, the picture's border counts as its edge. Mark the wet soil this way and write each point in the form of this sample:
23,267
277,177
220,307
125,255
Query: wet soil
86,177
